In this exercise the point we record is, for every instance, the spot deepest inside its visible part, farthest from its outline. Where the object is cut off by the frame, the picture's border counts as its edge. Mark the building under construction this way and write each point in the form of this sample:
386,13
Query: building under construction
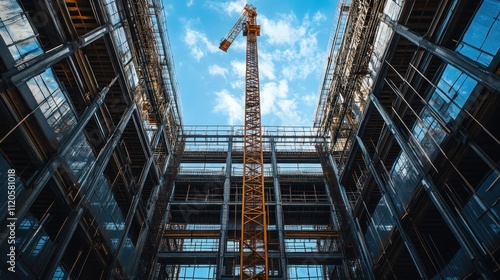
398,178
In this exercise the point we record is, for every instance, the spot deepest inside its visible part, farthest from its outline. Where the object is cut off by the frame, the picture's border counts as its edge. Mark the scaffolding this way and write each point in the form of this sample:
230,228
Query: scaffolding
343,92
158,89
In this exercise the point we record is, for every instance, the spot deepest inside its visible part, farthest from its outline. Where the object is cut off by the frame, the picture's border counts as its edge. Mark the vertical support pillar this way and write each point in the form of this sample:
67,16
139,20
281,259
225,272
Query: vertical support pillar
335,220
464,237
279,211
354,225
130,214
224,218
393,210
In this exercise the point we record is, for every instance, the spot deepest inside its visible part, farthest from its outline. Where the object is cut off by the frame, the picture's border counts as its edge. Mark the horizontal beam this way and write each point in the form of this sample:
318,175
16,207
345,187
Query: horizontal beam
311,234
314,234
318,258
207,203
51,57
458,60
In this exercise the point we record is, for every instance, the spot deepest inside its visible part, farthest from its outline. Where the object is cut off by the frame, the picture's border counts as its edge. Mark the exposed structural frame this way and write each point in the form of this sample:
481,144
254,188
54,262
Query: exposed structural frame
408,103
253,265
92,130
304,213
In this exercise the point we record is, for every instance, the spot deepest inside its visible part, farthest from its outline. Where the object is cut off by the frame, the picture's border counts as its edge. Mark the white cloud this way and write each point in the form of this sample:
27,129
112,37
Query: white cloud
215,70
319,17
238,84
198,43
283,31
234,7
266,66
230,7
239,45
289,113
239,68
272,93
230,106
190,3
310,99
288,59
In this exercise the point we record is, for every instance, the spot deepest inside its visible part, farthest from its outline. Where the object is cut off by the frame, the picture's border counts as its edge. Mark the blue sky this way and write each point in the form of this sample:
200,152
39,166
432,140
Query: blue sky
292,52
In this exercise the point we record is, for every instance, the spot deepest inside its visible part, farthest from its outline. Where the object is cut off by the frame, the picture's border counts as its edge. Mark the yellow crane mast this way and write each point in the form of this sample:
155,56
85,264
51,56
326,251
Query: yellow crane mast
253,240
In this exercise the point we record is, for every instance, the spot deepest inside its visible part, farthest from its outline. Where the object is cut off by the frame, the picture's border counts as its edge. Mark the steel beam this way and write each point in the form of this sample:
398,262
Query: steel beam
90,180
294,258
131,214
474,69
393,211
279,211
89,184
18,76
354,225
463,236
224,218
61,242
53,164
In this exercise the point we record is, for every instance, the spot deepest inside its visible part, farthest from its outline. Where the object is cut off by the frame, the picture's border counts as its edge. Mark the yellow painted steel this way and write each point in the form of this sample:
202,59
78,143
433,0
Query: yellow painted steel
253,240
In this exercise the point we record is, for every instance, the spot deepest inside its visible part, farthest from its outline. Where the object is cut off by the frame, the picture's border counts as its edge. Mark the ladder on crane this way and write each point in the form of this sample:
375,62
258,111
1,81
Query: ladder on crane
253,239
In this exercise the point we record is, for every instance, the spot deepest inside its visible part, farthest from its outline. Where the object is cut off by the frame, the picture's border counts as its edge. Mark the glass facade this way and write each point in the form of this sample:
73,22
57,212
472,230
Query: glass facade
80,213
426,128
452,90
17,32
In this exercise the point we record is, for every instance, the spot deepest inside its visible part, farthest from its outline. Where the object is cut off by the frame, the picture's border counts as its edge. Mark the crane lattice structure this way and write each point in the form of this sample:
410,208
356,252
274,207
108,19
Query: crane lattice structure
253,240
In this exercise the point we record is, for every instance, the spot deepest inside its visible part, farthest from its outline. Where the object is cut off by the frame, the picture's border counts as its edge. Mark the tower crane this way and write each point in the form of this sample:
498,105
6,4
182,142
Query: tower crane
253,239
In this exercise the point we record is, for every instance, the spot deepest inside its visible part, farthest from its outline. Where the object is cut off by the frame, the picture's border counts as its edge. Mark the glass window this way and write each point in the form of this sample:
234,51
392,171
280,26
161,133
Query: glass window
454,88
379,228
404,177
60,274
123,47
39,245
195,271
107,214
481,212
305,272
54,104
301,245
80,158
17,32
480,41
127,254
112,11
457,268
122,44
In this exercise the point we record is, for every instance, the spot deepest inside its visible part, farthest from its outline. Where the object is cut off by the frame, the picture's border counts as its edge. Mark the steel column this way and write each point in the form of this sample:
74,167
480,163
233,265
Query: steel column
89,182
62,242
464,237
463,63
279,210
393,211
335,221
131,213
224,219
355,228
